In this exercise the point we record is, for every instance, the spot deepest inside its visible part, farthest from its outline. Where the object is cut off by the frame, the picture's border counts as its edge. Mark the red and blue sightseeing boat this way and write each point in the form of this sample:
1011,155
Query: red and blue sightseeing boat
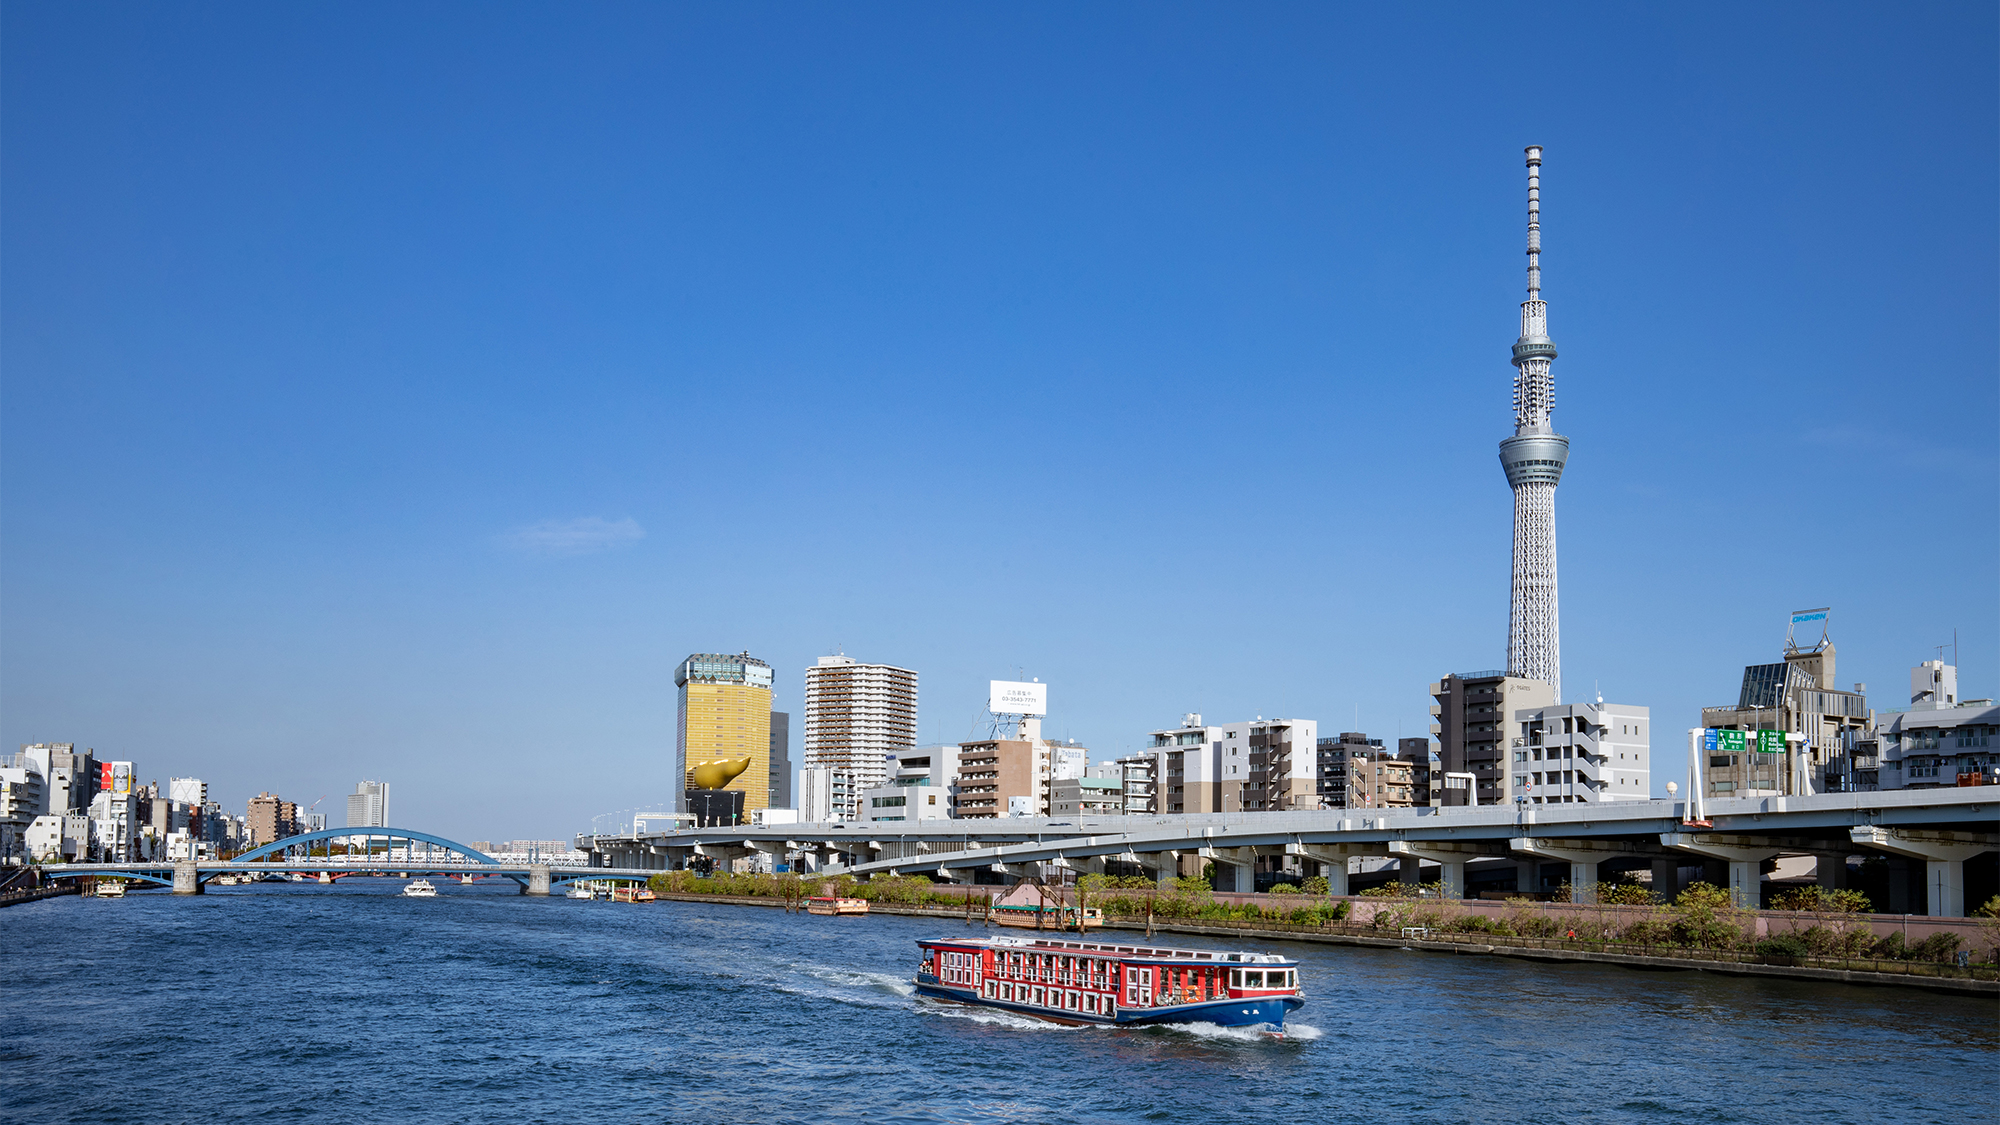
1091,982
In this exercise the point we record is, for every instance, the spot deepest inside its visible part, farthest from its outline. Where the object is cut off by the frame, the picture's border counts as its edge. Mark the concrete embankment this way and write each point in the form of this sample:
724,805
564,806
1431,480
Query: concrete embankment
1919,975
15,898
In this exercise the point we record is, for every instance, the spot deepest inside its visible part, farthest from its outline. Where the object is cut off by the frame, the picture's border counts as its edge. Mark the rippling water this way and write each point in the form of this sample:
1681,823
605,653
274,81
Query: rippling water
350,1003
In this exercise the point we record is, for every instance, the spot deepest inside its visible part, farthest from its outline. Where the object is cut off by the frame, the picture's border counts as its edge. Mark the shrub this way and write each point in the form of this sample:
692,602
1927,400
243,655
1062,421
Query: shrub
1819,900
1284,889
1704,917
1889,948
1788,946
1937,947
1318,885
1400,889
1648,931
1626,894
1990,910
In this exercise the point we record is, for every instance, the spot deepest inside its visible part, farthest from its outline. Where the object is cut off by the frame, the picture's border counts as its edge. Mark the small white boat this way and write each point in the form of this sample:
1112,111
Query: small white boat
110,890
420,888
579,891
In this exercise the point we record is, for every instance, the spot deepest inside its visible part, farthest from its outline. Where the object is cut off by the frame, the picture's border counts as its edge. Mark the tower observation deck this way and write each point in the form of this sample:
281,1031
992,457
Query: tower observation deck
1534,458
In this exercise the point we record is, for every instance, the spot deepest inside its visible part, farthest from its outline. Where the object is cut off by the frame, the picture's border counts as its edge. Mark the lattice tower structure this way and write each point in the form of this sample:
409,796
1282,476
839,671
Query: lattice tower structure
1534,459
858,716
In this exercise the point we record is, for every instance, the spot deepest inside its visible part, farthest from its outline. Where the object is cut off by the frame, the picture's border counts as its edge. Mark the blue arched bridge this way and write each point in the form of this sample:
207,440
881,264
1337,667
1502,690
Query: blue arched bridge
332,854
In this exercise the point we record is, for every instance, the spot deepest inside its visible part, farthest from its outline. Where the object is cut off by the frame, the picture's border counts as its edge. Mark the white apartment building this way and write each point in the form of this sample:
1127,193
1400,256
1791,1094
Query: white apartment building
368,805
1579,752
1940,740
22,799
858,717
921,785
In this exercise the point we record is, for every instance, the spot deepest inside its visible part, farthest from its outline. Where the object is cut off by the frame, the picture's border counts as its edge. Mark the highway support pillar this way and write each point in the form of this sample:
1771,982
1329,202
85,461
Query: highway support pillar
187,878
1164,867
1451,859
1944,855
1830,868
1583,856
538,880
1234,866
1666,877
1744,854
1527,876
1333,860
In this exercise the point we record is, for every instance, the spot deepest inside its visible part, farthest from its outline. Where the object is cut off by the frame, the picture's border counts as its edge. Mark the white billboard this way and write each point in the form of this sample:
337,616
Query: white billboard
1006,697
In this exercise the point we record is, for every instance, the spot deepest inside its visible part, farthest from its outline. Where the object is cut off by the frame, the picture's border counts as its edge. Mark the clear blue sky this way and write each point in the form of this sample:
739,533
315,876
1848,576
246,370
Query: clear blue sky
401,391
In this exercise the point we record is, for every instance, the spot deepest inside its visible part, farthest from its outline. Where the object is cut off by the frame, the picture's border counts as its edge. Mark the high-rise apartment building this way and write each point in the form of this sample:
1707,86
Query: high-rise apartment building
1264,765
725,715
858,718
271,819
1003,777
22,799
1141,782
1356,772
781,760
1473,713
69,779
368,805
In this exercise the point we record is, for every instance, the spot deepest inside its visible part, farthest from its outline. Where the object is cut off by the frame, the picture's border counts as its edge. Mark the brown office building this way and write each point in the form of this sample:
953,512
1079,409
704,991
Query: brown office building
1473,720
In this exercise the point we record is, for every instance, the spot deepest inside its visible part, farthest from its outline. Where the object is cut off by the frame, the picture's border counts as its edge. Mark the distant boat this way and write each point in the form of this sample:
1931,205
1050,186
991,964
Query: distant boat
828,904
110,890
634,894
578,890
1032,907
420,888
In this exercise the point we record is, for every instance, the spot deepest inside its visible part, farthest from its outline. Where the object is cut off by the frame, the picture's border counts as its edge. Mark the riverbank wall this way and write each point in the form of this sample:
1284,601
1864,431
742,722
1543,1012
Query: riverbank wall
1974,980
15,898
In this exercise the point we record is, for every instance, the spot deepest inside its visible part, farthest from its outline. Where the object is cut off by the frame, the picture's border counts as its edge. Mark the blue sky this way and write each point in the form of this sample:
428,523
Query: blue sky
402,391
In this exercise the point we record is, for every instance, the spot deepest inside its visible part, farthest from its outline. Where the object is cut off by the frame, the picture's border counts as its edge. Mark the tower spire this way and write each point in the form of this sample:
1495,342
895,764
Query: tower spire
1534,459
1534,222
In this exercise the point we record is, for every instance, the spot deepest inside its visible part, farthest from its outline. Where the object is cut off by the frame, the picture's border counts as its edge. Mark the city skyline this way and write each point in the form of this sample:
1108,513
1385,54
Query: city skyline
371,433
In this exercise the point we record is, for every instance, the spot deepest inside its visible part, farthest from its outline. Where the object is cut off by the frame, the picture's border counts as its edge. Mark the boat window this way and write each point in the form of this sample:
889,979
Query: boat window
1253,979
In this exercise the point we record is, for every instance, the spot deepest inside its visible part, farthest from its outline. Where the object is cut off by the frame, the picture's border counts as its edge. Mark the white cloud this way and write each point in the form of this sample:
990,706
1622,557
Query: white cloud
584,536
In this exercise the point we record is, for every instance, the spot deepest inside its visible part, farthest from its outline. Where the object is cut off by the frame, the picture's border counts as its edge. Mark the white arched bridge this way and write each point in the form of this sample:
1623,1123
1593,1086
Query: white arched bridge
333,854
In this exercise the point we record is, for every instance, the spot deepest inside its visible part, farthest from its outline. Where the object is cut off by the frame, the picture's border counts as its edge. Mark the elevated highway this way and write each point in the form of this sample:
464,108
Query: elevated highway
1928,831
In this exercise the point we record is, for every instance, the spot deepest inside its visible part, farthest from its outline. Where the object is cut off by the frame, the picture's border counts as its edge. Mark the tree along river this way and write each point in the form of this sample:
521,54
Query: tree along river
351,1003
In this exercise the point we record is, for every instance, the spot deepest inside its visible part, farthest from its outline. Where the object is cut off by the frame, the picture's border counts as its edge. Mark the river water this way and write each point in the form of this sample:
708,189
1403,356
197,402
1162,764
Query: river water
352,1004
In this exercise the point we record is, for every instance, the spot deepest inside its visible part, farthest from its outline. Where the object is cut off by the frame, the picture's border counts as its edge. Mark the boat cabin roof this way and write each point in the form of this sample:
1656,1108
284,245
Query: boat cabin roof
1123,952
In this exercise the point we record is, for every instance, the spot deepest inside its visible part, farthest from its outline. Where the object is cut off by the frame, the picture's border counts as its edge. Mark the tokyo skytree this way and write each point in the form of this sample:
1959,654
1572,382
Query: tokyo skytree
1534,458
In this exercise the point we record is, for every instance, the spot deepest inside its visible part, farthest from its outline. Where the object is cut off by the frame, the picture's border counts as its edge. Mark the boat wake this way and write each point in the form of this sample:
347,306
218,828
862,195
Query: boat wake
849,986
995,1017
1255,1034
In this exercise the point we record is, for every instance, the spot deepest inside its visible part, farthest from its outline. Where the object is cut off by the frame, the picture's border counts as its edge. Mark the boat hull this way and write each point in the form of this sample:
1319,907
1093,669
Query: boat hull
1246,1012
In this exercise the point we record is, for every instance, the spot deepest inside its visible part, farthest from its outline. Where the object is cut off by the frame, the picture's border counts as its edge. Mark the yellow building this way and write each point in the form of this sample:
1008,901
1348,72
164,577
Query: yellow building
726,714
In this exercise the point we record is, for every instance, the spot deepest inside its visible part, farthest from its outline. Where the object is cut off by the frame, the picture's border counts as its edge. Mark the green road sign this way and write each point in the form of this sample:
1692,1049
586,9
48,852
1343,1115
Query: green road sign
1770,742
1729,741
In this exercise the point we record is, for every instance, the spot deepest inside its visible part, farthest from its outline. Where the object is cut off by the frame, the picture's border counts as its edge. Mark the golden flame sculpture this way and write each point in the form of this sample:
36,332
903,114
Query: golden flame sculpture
715,775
